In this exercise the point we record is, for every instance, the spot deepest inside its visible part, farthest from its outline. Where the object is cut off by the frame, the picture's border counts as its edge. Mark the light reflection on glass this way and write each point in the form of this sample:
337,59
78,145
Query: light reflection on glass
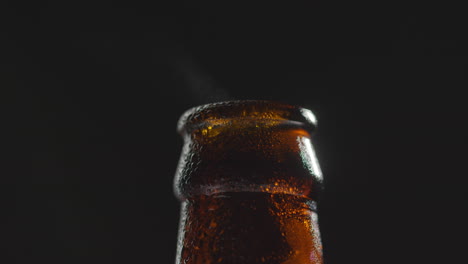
309,116
308,156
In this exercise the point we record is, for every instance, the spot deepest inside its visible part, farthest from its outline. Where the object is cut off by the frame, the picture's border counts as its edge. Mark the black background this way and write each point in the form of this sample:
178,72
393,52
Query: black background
106,82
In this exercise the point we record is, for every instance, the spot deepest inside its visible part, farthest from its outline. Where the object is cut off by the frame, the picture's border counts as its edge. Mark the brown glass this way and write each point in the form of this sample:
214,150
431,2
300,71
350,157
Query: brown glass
248,180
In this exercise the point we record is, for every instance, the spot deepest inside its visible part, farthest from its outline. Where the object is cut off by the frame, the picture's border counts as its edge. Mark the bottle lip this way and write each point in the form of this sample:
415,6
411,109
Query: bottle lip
247,110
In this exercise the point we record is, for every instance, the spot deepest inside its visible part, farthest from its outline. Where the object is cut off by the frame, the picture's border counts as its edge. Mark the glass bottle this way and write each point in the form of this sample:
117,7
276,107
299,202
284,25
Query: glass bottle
248,181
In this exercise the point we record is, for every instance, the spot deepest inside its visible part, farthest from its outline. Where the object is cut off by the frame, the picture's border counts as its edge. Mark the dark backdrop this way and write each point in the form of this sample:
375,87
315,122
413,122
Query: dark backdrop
105,84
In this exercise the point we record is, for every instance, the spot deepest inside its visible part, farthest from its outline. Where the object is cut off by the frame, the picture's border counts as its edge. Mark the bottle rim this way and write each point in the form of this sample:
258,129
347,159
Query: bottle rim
254,110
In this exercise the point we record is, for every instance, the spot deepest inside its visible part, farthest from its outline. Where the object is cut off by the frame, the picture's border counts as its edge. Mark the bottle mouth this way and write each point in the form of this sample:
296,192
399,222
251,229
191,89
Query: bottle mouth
250,111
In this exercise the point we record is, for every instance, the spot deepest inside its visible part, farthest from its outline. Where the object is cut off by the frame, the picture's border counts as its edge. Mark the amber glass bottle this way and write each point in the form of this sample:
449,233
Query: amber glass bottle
248,181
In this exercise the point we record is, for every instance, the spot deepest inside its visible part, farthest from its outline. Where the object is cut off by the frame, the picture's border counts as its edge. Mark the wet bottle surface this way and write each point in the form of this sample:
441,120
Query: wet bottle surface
248,181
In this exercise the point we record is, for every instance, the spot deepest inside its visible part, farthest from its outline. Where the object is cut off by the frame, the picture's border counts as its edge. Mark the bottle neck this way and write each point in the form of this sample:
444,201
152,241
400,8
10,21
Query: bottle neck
248,228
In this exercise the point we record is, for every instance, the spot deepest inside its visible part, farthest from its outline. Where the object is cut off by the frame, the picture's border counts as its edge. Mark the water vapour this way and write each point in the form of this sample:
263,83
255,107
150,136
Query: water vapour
201,85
